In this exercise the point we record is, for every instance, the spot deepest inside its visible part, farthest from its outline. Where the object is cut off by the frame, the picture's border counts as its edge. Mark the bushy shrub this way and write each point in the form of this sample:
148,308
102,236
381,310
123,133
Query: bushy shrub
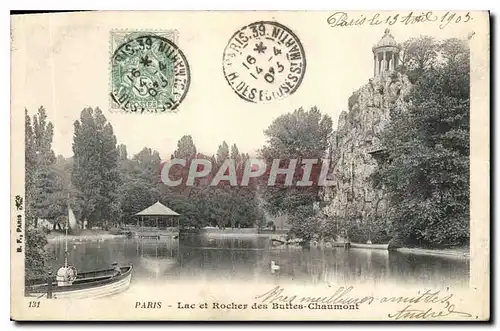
36,256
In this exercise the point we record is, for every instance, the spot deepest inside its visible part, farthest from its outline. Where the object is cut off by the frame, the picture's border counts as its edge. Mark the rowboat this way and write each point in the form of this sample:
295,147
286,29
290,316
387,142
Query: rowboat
277,242
370,246
340,244
69,283
93,284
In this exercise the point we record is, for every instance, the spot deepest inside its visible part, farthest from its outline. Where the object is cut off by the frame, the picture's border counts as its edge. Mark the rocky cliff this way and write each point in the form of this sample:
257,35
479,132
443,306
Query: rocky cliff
354,146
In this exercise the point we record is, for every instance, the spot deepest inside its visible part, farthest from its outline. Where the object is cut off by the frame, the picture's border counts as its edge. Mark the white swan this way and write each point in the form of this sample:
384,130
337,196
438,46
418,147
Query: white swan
274,267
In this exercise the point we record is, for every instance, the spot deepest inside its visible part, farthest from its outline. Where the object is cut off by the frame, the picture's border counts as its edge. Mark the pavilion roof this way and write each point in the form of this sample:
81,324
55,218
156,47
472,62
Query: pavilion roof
157,209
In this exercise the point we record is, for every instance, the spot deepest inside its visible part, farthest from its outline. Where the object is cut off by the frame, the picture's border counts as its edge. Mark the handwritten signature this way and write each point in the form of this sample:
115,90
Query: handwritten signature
409,313
342,19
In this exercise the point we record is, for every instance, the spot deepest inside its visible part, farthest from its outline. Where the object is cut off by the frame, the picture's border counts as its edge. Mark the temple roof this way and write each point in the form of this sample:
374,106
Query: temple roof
157,210
386,40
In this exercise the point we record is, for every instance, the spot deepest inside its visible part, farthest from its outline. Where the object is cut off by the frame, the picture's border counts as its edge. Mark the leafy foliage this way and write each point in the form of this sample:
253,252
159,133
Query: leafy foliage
374,229
222,153
418,54
305,224
235,154
36,256
136,195
427,166
185,148
95,172
199,205
298,135
44,195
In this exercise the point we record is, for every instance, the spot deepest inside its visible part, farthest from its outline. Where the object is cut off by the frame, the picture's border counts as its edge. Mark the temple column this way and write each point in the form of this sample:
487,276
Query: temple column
375,65
384,63
393,59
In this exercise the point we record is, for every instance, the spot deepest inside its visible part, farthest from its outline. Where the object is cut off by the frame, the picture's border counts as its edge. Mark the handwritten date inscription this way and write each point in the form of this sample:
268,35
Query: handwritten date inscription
342,19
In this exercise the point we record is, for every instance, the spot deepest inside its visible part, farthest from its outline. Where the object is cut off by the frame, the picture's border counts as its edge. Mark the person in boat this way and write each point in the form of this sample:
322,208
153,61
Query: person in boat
117,271
65,276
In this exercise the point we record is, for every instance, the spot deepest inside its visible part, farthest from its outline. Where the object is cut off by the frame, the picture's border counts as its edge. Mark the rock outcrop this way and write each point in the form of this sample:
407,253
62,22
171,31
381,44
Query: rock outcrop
354,145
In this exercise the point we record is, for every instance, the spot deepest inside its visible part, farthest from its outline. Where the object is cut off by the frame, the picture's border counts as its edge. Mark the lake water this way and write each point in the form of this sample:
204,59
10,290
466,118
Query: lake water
249,259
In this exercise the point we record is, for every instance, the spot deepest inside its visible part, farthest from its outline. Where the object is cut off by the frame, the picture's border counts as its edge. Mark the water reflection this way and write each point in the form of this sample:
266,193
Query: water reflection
249,260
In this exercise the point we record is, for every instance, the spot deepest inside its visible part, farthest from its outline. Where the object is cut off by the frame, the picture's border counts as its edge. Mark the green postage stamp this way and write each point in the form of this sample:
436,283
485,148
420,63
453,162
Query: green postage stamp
148,72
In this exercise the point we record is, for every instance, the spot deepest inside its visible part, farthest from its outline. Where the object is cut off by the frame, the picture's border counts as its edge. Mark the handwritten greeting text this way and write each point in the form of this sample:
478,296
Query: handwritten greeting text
426,304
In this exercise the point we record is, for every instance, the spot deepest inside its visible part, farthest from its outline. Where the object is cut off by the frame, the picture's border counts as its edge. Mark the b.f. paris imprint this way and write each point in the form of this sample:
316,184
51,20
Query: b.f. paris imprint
264,61
149,73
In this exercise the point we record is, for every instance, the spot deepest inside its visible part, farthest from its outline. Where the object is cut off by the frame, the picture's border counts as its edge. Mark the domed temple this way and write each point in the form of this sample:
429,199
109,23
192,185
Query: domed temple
385,54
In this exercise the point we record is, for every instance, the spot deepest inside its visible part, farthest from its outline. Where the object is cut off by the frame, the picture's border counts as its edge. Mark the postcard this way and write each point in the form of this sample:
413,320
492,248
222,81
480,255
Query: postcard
250,165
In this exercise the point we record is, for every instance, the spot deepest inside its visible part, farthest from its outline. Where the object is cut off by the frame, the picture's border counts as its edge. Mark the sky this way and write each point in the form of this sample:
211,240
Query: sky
61,61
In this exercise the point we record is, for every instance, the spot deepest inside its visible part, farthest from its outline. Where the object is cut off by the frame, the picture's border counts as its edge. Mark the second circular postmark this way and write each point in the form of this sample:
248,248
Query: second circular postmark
264,61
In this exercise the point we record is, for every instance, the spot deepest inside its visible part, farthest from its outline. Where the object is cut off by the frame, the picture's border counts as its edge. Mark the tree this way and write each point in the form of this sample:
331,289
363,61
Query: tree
30,165
455,51
95,168
44,186
426,167
305,225
43,190
299,135
235,154
140,178
49,200
136,195
147,163
185,148
222,153
122,152
244,157
418,54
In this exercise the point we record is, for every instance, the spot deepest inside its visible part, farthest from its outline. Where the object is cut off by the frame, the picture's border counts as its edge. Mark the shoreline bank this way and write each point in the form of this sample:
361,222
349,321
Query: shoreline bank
237,235
459,253
84,237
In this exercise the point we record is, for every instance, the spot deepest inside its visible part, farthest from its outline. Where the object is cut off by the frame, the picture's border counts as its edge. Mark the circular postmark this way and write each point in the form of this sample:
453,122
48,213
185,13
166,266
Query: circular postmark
264,61
149,73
